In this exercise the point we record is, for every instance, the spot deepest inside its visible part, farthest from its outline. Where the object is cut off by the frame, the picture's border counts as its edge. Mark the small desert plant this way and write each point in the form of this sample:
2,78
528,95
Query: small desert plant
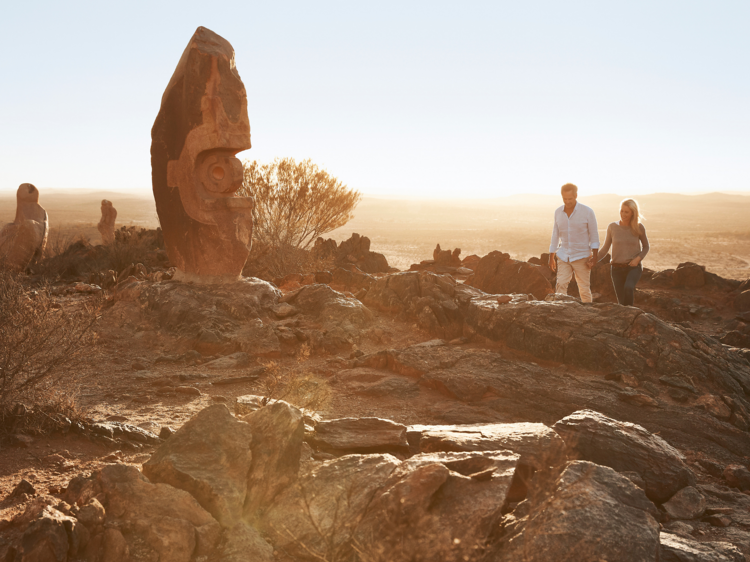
295,203
40,344
300,388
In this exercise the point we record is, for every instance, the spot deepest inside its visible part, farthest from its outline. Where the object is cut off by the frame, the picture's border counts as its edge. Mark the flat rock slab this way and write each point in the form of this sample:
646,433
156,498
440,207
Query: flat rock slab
675,548
360,435
209,457
537,444
589,513
627,447
371,382
233,361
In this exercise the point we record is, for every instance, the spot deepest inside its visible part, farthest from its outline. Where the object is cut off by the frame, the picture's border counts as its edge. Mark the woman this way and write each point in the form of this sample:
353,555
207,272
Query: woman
629,246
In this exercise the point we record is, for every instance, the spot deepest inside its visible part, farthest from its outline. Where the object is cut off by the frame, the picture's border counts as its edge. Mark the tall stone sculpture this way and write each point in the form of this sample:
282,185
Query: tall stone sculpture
201,126
106,225
24,239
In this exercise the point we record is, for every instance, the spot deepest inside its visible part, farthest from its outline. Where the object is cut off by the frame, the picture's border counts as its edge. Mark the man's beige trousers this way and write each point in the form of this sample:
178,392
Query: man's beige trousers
565,271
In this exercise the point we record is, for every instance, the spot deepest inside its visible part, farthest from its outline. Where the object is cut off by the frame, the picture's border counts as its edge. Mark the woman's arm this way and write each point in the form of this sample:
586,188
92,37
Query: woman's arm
644,247
607,243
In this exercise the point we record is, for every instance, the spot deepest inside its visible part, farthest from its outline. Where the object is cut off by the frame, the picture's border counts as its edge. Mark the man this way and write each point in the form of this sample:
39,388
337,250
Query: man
575,242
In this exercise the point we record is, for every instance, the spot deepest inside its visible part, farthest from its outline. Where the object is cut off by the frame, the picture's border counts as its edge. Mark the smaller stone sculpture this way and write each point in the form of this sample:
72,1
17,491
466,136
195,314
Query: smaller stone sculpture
106,225
24,239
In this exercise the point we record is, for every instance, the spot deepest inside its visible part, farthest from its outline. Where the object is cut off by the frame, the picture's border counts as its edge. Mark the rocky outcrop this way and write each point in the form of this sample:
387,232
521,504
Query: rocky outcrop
497,388
446,261
354,251
209,457
590,513
202,124
496,273
627,447
25,238
434,301
607,337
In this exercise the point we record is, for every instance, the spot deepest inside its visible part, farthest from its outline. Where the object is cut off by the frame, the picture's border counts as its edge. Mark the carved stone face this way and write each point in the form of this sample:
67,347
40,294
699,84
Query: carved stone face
200,128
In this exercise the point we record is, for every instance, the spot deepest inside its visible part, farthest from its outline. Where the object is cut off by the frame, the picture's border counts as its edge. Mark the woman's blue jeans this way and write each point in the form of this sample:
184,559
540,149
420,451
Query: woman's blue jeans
624,279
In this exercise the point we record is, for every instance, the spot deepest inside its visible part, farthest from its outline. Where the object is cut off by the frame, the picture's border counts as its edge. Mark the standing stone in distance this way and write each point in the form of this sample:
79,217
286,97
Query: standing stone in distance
202,124
106,225
24,239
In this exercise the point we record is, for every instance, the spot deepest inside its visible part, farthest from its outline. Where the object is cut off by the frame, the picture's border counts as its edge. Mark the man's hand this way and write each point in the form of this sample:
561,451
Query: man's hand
552,262
591,262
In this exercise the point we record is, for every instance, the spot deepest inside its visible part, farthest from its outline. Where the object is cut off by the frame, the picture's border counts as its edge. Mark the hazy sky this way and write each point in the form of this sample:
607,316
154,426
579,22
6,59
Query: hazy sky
423,99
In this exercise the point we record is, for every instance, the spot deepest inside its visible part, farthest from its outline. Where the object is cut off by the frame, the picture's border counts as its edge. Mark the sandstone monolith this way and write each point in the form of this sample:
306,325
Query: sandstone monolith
24,239
106,225
201,126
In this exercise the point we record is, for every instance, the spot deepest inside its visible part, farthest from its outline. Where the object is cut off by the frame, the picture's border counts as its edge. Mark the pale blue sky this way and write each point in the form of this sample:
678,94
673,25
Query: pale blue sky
423,99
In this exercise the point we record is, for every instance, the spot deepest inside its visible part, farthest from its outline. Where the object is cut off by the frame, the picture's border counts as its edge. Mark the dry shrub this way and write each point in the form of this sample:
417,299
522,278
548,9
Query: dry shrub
301,388
41,345
73,256
272,262
295,203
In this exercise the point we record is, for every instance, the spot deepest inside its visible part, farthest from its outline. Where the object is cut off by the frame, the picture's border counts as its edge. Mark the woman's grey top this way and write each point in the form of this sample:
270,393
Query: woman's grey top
625,245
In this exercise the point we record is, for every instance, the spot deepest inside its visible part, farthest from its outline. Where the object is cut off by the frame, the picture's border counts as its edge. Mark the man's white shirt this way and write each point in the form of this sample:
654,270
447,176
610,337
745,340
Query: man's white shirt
574,237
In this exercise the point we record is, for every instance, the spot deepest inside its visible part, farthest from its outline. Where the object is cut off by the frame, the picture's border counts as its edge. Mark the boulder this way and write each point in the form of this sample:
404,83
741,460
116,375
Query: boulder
689,275
51,537
278,430
676,548
438,506
587,514
537,445
496,273
737,476
321,512
688,503
627,447
360,435
156,517
447,257
201,125
24,240
209,457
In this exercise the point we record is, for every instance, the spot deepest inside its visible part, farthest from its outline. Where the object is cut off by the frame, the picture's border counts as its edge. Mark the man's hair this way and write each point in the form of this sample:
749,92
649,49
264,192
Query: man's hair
569,187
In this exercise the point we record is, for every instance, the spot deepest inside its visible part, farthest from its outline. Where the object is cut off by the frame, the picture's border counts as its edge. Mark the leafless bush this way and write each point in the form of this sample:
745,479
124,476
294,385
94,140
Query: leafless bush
295,203
40,345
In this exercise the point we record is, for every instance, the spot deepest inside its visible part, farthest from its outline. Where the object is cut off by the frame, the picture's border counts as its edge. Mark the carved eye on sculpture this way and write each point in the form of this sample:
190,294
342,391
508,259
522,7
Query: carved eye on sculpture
220,171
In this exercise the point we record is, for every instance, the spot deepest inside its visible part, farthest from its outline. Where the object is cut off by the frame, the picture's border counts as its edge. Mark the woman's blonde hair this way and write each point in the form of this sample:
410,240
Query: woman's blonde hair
635,221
